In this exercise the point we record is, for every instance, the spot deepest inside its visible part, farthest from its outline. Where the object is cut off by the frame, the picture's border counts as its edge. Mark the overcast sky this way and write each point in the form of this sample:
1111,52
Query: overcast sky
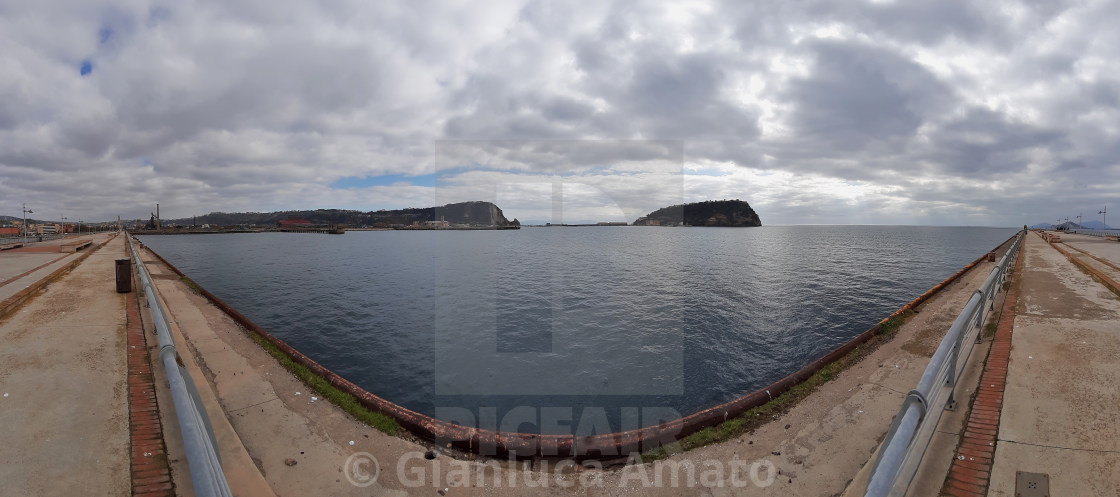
821,111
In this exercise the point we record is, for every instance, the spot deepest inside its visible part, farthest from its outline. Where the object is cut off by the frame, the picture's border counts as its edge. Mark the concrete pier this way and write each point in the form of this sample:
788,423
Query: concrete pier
1061,408
63,402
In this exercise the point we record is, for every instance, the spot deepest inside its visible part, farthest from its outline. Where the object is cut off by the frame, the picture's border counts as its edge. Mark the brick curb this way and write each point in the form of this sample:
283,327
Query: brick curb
151,473
971,470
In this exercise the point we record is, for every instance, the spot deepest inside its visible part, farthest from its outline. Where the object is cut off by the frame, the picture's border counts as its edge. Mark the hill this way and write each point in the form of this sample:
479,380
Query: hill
1088,225
731,213
464,213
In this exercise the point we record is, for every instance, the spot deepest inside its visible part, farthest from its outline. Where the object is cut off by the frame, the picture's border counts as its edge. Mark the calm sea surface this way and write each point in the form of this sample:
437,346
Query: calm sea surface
563,319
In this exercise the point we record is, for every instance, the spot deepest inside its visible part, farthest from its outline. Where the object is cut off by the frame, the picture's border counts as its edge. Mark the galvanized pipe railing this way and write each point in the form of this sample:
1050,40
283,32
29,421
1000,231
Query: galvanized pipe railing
917,419
1100,233
198,436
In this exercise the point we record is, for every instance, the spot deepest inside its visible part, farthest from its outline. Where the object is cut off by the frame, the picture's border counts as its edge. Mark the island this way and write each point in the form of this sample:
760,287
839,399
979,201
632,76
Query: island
729,213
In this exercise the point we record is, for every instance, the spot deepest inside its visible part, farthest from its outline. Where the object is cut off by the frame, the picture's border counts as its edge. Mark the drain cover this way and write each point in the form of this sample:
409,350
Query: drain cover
1032,484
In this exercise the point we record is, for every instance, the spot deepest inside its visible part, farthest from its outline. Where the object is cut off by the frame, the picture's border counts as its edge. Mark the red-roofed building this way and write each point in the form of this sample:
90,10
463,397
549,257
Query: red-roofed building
294,222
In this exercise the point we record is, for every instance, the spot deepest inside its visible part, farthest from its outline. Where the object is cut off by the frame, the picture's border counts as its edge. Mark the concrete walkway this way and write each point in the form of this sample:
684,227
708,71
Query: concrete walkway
1061,409
23,267
63,404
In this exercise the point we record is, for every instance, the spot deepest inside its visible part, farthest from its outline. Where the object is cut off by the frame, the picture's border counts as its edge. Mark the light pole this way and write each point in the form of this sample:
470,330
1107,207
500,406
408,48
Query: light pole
26,211
64,218
1104,221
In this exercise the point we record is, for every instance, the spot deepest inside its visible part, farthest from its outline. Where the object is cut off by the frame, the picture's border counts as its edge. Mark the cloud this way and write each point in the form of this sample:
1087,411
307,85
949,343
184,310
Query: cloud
928,112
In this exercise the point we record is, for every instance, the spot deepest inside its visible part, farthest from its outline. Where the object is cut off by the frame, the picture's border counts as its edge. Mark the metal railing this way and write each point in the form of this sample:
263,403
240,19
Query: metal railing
30,238
198,436
917,419
1101,233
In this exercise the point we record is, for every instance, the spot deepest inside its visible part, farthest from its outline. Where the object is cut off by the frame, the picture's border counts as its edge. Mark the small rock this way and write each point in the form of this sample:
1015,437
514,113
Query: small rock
351,442
442,491
787,426
289,462
777,453
791,480
751,442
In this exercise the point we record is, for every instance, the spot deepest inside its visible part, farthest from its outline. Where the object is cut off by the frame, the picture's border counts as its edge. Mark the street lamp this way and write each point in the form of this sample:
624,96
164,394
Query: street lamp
64,218
26,211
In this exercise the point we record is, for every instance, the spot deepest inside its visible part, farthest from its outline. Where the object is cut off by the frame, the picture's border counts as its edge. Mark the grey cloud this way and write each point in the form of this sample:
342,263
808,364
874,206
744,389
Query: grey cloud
681,97
246,104
984,143
859,97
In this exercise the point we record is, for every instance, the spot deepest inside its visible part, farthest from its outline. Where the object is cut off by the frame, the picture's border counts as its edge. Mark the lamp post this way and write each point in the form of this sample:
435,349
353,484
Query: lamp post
64,218
26,211
1104,221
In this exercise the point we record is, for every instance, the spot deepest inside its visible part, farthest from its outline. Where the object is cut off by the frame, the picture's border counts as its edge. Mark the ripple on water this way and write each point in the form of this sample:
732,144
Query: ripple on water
573,317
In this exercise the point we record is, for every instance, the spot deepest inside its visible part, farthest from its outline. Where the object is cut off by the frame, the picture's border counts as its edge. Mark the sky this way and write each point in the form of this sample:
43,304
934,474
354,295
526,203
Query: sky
927,112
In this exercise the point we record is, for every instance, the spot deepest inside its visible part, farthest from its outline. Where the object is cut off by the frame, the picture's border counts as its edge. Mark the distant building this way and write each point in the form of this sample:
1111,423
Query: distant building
294,222
437,224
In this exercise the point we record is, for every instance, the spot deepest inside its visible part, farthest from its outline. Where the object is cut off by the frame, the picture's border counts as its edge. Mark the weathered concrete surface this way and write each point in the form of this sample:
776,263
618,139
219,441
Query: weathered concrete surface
931,473
63,401
832,434
241,474
15,263
1061,409
1101,254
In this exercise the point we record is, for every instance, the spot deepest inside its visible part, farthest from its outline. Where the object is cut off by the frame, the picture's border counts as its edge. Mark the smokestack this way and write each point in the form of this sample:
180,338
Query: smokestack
157,216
